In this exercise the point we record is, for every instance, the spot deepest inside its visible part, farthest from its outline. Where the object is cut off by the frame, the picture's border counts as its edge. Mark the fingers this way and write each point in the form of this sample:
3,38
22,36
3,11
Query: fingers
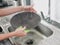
32,9
24,27
29,9
21,28
20,31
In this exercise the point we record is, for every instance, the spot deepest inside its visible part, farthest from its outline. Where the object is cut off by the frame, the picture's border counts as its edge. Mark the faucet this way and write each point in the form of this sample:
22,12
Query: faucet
46,19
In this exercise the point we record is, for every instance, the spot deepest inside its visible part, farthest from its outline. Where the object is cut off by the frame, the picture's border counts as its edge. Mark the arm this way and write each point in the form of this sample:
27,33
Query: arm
7,11
18,32
5,36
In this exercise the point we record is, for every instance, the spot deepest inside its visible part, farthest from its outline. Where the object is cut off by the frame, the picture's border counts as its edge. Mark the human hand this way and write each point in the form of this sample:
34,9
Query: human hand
19,32
29,9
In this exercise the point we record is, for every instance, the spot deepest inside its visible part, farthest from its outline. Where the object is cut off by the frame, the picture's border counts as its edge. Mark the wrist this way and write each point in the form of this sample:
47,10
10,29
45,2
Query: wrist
13,33
21,8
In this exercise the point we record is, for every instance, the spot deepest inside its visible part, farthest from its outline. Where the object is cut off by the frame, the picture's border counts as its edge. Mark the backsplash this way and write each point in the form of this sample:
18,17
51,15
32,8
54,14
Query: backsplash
55,10
41,5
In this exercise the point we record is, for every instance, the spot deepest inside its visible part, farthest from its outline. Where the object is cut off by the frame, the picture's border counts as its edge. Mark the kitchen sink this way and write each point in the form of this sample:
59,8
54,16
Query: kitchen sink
44,30
34,36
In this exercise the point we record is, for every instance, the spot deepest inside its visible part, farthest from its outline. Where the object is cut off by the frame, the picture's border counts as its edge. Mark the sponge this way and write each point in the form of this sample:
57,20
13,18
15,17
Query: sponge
26,30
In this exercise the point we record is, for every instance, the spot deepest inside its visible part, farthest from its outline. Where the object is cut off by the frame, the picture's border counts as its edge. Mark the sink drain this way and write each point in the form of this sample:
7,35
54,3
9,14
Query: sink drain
29,42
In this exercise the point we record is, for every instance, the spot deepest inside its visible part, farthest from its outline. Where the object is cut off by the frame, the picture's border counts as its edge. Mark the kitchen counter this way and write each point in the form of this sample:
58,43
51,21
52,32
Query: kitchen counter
54,39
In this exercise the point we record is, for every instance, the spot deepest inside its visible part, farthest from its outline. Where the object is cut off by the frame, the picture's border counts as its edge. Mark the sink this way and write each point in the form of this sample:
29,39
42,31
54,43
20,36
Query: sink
41,29
34,36
44,30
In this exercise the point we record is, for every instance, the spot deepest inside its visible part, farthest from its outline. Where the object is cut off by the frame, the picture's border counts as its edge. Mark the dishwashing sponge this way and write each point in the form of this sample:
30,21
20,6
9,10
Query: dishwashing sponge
26,30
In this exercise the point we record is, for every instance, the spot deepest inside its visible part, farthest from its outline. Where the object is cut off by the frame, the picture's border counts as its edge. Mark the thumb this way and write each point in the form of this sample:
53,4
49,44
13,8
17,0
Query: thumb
24,28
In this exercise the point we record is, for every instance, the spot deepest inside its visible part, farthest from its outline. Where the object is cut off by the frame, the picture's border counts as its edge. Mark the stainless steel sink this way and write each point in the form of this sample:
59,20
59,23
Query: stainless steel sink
44,30
34,36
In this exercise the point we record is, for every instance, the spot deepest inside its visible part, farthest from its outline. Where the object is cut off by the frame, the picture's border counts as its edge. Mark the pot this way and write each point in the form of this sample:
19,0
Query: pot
28,19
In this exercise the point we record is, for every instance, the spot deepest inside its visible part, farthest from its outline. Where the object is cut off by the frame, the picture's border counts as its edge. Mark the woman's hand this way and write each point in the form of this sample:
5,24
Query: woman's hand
19,32
28,9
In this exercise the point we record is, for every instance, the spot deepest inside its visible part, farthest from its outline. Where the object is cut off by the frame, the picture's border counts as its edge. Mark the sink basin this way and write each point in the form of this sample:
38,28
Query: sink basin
34,36
44,30
41,29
